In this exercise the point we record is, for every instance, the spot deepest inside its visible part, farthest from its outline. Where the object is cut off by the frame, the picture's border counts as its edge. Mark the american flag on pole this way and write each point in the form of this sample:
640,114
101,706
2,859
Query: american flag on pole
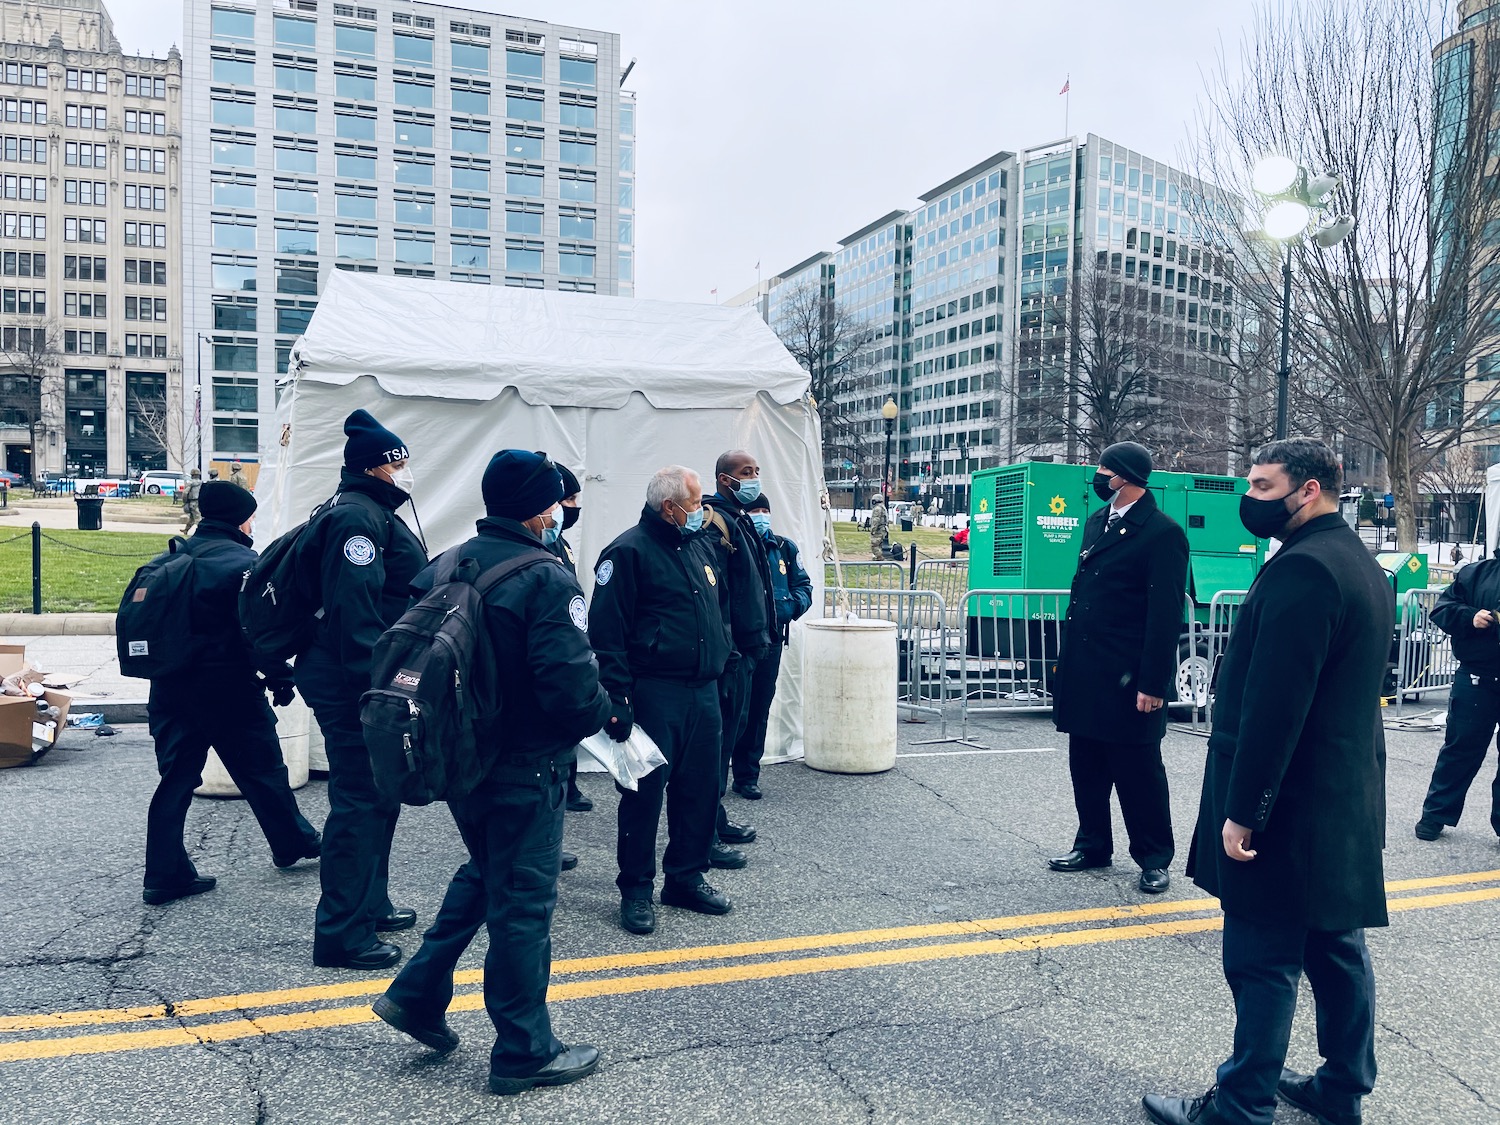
1067,84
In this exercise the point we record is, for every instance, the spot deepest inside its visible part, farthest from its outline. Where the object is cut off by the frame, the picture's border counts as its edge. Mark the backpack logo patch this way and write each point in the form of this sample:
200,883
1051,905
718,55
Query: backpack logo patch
406,678
579,612
360,551
140,648
605,572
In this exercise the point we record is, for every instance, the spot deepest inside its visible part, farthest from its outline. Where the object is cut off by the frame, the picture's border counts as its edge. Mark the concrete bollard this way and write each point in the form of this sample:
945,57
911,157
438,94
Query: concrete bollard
849,695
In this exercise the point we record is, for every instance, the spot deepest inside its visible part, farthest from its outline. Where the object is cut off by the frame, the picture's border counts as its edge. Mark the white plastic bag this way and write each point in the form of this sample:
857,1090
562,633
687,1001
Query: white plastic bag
628,761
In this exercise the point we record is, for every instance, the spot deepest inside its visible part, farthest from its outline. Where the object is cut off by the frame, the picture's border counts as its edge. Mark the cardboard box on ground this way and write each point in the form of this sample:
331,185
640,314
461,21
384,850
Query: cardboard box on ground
24,739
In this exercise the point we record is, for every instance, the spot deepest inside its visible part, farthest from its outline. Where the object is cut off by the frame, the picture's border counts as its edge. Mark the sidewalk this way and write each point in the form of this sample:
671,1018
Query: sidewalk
55,516
90,662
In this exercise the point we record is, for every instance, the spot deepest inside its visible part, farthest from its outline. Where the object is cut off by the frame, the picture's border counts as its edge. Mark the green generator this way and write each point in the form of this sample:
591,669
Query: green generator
1025,531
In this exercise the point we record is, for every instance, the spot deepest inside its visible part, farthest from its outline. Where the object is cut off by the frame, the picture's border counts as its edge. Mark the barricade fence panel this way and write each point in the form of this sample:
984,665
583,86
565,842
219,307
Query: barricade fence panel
926,645
1010,652
1223,610
1424,653
889,575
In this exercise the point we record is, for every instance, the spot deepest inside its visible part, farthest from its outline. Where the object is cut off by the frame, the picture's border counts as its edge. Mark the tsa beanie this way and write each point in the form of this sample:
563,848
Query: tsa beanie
222,500
571,487
1130,459
515,487
369,443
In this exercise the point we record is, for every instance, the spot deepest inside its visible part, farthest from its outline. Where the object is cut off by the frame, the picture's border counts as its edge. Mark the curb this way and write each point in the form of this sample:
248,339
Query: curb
116,712
57,625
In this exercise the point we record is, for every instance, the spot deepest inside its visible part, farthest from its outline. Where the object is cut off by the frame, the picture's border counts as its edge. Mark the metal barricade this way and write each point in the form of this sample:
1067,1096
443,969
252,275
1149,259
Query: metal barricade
946,577
925,643
1424,653
1211,644
1012,639
871,575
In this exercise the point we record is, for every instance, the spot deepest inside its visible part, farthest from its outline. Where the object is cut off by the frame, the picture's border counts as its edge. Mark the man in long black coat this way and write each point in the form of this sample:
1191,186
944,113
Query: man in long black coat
1116,666
1292,821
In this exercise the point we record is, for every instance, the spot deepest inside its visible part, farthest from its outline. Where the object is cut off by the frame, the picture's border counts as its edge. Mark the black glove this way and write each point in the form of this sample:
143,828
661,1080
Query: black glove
282,692
621,720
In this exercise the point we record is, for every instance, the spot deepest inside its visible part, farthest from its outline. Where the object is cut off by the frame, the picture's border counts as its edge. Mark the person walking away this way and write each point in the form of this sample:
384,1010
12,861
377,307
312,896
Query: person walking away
219,703
742,556
237,476
190,496
546,696
365,558
659,624
1466,611
791,588
1291,825
1116,665
879,523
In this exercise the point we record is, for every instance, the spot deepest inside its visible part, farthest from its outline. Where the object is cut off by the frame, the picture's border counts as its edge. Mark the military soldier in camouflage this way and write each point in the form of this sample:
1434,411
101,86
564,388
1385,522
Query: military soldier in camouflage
190,500
878,525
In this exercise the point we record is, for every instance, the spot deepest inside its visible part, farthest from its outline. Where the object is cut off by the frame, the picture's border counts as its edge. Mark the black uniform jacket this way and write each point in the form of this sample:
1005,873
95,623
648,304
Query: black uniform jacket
1476,587
366,559
564,552
1124,620
1297,752
225,665
661,607
546,678
753,606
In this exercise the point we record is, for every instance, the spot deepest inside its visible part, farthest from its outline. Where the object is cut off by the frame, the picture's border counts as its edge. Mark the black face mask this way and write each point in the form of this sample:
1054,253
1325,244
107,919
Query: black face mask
570,516
1101,486
1266,519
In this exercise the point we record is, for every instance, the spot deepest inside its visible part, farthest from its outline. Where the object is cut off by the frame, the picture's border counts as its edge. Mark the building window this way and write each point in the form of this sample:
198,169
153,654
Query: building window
577,72
297,158
470,253
415,94
413,48
523,220
471,99
412,208
143,86
297,280
577,262
578,114
575,189
234,394
234,355
233,72
292,317
232,154
85,343
24,264
573,223
470,140
523,183
412,132
358,42
297,201
236,435
523,257
297,240
355,205
228,23
471,177
360,87
354,127
523,64
295,119
523,145
576,152
413,249
356,247
469,217
354,166
234,276
291,32
229,111
523,108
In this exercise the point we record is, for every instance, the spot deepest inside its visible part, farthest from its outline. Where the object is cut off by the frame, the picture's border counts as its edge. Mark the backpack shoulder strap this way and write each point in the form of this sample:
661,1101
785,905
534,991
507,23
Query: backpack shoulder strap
498,573
716,521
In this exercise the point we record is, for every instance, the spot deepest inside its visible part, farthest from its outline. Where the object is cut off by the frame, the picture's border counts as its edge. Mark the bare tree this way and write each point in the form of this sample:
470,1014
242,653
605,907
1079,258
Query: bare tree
827,341
1385,324
164,428
32,354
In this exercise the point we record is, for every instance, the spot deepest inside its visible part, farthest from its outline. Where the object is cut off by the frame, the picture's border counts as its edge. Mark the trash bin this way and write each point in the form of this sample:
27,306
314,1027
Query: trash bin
849,689
905,523
90,512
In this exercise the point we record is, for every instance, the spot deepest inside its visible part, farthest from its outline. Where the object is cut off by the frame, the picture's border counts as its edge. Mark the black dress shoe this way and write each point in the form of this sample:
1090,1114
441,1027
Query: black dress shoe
725,857
1428,829
1182,1111
1076,860
571,1064
750,791
310,851
569,861
378,956
160,896
699,897
1154,880
401,919
430,1033
733,833
577,802
1296,1089
637,915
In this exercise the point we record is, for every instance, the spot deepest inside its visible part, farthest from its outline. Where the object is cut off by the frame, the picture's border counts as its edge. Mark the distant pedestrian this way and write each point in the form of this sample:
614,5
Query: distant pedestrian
219,703
878,525
190,499
1291,825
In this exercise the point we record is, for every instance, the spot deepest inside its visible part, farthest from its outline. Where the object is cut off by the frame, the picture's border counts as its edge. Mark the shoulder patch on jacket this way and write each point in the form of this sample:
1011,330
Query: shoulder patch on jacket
359,550
579,612
605,572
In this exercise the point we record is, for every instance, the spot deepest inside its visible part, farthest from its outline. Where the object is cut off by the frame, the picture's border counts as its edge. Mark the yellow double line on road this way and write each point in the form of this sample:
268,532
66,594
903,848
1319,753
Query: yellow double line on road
905,945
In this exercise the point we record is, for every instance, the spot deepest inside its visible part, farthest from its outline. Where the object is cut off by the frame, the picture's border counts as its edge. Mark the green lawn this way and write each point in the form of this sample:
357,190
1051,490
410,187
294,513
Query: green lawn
82,571
854,542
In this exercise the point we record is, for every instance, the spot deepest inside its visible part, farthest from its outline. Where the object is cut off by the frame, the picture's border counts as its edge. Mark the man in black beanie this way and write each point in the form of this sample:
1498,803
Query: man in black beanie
365,558
545,698
1116,667
220,702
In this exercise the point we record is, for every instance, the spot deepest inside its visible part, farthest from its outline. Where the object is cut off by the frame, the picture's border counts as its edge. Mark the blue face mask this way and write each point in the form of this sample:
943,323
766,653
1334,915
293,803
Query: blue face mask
551,535
747,491
762,522
694,522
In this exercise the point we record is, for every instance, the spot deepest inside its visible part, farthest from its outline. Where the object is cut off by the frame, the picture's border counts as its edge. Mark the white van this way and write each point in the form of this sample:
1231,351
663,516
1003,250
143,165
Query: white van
159,482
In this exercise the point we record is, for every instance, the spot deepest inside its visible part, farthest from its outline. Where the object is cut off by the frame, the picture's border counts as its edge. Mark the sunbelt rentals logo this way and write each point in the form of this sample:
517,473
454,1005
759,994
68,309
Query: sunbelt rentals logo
1058,520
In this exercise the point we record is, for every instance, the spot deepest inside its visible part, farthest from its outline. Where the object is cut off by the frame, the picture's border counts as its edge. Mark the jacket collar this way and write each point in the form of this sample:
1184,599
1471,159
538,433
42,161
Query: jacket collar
1139,513
667,534
719,500
1326,522
498,527
384,492
219,529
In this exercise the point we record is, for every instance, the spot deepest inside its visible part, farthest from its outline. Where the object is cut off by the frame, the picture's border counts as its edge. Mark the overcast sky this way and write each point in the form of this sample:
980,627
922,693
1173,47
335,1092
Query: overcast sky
769,130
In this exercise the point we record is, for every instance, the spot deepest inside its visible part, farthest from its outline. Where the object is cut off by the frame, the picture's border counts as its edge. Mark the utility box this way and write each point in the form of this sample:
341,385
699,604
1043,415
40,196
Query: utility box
1407,571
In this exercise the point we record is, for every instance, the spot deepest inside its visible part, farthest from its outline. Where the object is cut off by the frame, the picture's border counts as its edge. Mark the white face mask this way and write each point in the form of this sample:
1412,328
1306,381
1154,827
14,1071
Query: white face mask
404,479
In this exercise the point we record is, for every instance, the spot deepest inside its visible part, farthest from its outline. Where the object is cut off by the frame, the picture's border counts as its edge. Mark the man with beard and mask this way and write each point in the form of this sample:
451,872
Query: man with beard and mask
659,624
221,703
1116,665
1292,821
571,510
365,558
742,555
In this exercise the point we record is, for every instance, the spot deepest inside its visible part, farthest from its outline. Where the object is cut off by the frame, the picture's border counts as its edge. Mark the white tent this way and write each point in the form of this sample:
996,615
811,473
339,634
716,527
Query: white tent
613,388
1491,509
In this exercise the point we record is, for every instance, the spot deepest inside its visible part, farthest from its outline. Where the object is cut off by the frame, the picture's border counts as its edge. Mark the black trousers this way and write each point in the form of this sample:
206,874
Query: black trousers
357,835
734,709
512,825
1135,771
751,745
1263,963
1473,713
236,721
683,719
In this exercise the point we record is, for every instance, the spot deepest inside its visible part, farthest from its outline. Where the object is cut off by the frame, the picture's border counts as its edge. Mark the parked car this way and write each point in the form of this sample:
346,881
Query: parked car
159,482
9,479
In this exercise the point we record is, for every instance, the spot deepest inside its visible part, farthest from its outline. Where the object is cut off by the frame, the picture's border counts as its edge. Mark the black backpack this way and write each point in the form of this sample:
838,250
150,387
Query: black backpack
436,677
153,628
281,600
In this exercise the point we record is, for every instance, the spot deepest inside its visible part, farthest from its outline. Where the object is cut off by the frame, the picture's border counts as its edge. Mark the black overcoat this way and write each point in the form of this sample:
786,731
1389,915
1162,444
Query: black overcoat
1124,620
1297,752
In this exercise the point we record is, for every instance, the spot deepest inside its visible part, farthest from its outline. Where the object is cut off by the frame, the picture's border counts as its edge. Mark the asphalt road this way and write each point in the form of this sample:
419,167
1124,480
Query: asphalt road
897,953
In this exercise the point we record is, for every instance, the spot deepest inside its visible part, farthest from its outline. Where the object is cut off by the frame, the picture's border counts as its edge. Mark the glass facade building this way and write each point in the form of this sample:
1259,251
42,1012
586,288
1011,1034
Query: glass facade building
391,137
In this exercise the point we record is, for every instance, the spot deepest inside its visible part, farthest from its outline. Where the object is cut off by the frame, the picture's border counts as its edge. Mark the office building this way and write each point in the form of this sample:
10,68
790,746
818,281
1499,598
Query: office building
90,312
394,137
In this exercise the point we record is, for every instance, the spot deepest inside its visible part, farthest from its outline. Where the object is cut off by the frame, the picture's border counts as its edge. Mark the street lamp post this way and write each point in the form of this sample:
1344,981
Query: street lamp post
888,412
1293,195
961,476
